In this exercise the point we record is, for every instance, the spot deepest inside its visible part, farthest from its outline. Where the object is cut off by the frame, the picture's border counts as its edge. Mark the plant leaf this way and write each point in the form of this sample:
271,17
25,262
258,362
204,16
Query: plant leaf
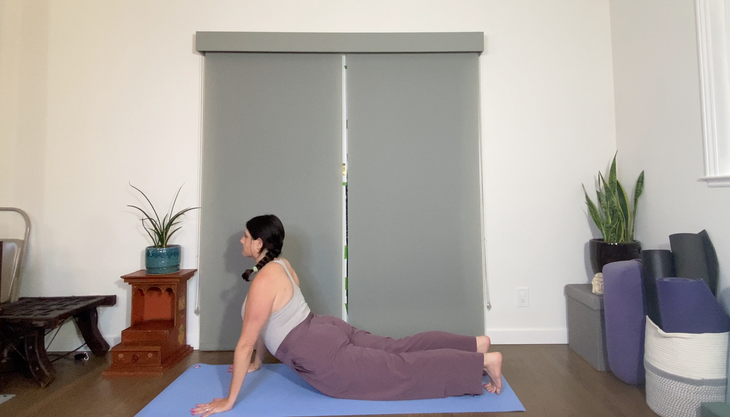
158,230
623,206
615,217
153,224
173,232
595,214
608,202
614,213
154,241
612,178
638,190
172,221
148,201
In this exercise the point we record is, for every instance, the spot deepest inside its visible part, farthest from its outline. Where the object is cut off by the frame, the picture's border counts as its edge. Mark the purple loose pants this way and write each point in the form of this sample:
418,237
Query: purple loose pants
344,362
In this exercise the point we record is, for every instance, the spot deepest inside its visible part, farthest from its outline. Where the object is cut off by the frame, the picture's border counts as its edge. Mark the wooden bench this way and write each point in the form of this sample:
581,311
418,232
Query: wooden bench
24,323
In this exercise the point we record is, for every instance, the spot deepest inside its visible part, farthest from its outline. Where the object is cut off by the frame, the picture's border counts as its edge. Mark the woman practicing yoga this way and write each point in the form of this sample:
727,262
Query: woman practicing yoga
334,357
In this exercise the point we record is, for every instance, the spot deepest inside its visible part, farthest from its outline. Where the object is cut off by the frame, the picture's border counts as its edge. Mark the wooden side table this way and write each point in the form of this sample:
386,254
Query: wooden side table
155,341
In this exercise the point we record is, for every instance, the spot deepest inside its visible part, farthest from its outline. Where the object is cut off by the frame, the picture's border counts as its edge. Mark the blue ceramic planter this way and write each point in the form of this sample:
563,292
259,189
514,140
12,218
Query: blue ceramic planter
162,260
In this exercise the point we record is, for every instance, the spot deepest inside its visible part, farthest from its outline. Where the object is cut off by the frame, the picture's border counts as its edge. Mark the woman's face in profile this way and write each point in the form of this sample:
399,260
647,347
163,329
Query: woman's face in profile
247,243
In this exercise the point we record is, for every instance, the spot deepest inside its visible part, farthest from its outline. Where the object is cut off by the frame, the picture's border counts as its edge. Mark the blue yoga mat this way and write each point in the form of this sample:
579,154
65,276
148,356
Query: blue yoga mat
276,391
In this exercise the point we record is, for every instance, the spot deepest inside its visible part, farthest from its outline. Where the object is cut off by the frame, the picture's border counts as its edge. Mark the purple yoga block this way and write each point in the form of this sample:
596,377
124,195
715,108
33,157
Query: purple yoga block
625,312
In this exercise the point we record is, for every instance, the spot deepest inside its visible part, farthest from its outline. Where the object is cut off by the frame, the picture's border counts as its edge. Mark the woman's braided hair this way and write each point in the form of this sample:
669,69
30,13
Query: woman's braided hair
269,229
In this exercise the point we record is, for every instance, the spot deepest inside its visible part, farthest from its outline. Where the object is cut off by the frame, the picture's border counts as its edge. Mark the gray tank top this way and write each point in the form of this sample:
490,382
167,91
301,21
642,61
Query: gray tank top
281,322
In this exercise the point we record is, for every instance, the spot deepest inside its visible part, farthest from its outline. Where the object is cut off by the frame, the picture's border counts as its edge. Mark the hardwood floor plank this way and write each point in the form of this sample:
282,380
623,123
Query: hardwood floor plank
550,380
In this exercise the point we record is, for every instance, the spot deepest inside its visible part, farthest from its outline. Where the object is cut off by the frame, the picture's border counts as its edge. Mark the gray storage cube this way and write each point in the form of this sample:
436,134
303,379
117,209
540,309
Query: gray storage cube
586,324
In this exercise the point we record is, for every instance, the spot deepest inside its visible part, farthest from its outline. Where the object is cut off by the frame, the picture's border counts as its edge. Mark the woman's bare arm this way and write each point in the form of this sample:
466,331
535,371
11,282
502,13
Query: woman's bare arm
259,303
258,359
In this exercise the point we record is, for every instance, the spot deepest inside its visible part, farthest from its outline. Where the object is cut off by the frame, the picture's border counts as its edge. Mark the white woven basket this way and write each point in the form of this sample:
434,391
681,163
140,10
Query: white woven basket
684,370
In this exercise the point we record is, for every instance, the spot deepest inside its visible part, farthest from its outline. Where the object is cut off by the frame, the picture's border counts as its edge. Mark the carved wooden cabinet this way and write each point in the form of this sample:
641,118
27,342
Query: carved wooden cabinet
156,340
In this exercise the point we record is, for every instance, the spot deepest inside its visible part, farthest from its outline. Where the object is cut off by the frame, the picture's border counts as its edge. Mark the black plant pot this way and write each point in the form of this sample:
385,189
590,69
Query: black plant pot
603,253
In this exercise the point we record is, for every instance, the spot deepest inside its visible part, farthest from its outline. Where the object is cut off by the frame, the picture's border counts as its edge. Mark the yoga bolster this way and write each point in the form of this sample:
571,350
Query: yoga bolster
623,301
687,306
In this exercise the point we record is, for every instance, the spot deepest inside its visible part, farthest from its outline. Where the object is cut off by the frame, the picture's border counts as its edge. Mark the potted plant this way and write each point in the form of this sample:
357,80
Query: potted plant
161,257
615,218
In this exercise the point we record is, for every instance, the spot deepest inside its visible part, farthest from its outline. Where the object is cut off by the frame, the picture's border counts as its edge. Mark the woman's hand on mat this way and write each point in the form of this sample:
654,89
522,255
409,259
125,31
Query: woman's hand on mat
252,367
218,405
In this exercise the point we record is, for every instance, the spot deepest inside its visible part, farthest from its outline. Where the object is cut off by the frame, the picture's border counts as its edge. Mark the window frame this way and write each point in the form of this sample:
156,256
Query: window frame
713,39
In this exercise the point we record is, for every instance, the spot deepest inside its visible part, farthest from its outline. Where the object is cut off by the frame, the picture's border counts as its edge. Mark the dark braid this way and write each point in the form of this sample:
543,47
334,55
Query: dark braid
270,256
269,229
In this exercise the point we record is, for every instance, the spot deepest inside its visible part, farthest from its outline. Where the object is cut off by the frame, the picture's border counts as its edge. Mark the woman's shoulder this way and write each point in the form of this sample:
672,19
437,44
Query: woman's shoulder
287,269
269,274
277,263
275,266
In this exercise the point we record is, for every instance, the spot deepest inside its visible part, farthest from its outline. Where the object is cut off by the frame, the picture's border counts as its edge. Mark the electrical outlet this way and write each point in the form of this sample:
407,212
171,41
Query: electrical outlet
523,297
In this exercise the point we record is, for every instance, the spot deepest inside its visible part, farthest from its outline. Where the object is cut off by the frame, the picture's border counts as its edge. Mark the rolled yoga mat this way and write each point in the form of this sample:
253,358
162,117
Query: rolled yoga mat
713,265
687,306
625,314
277,391
695,257
655,264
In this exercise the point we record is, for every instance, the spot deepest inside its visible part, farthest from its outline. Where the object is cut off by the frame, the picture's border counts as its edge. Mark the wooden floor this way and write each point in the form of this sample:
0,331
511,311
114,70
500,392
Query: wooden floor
550,380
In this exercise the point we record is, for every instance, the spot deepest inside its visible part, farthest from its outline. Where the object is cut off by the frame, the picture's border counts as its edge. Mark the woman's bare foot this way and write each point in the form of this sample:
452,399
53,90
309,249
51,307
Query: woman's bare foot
493,368
483,344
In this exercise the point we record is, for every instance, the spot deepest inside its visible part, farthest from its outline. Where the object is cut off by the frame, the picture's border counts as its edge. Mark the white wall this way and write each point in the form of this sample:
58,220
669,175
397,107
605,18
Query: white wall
659,126
94,95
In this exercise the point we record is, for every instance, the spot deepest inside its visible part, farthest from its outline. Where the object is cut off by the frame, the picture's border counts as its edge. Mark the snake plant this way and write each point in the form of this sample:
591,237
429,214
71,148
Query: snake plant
613,215
161,230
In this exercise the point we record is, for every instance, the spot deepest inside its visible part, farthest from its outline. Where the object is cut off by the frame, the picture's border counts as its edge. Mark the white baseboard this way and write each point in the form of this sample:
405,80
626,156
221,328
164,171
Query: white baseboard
528,336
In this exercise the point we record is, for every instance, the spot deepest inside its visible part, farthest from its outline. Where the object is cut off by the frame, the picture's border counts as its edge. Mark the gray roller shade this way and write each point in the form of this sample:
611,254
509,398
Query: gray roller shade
415,260
271,144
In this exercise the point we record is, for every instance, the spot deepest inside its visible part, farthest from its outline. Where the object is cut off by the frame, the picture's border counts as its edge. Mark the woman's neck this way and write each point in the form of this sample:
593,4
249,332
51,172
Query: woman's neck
260,257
